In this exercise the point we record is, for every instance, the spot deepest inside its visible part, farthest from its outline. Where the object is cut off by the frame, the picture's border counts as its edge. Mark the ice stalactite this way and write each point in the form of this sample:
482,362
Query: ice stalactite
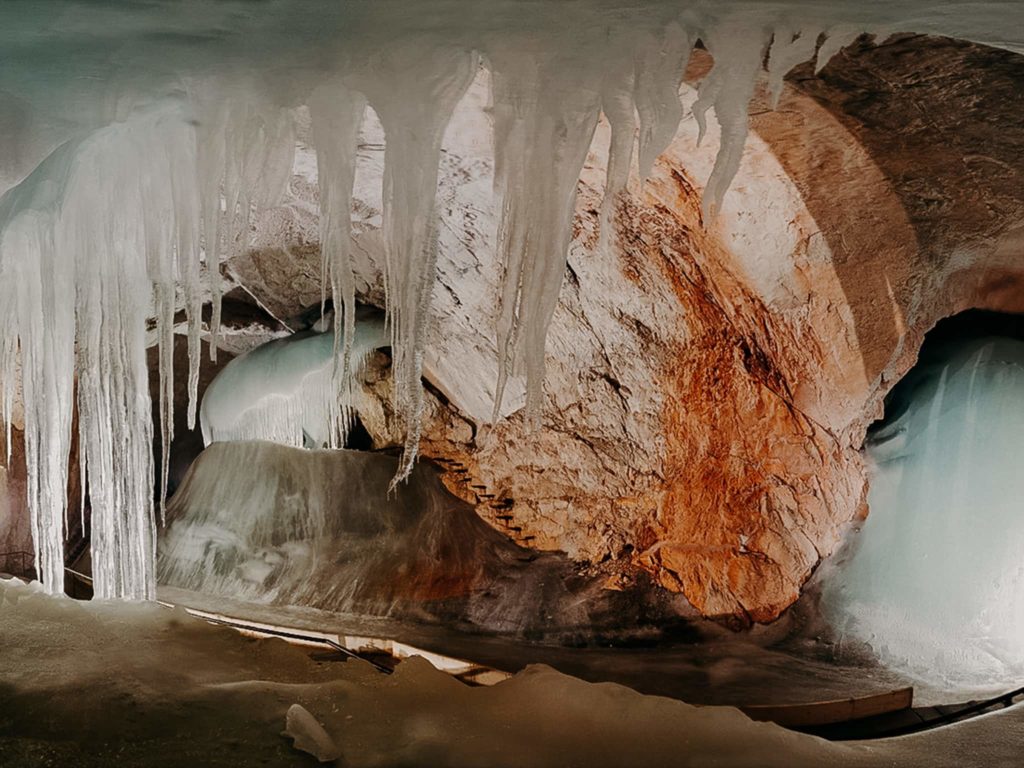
659,66
36,280
247,148
337,114
101,237
544,119
414,91
738,53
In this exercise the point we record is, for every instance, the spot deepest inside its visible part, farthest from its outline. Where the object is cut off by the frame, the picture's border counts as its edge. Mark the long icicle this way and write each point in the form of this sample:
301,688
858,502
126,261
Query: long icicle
414,91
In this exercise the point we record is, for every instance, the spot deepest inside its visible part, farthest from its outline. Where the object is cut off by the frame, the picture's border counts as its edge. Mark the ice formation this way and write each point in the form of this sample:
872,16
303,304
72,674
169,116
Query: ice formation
287,391
162,132
308,735
275,525
935,584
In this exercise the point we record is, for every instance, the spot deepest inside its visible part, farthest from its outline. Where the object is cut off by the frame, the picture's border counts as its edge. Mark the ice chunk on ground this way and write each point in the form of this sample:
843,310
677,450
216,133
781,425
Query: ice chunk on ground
308,735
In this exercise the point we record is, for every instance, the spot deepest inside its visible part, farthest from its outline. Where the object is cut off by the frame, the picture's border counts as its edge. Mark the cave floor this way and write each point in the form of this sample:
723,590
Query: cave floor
763,666
97,684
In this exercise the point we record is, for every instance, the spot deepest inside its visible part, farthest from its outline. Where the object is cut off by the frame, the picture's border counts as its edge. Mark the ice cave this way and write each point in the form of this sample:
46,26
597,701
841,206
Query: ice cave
511,383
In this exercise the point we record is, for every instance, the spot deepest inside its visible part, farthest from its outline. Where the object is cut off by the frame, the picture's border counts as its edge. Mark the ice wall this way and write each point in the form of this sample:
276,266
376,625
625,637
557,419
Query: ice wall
154,135
935,583
272,524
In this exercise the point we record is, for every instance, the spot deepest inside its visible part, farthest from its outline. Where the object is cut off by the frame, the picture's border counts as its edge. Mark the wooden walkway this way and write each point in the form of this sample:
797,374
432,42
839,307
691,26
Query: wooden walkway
876,716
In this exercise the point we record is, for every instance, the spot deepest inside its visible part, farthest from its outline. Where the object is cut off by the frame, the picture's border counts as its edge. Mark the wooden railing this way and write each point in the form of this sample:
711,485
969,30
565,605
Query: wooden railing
18,563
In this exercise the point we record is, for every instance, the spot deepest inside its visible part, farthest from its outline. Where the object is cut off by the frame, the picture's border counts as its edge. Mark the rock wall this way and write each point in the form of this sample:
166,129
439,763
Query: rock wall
709,382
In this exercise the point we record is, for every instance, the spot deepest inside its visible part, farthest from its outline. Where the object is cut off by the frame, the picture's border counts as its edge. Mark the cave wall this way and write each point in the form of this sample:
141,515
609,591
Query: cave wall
15,528
709,382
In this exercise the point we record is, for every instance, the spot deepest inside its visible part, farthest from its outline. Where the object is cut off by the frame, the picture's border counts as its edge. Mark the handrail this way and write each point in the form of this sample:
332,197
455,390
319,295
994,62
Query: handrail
299,636
274,632
79,574
971,709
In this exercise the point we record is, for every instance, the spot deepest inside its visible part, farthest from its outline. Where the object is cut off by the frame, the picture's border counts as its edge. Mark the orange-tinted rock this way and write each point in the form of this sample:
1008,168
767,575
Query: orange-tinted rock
710,382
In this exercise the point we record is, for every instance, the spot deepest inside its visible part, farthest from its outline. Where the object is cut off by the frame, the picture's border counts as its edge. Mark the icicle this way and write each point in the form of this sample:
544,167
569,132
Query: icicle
246,149
738,53
787,51
38,293
620,110
413,90
660,66
836,39
337,114
544,115
131,166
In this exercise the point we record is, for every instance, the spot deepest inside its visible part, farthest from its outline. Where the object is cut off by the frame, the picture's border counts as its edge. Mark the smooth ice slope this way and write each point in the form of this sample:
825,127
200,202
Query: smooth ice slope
936,580
285,390
138,140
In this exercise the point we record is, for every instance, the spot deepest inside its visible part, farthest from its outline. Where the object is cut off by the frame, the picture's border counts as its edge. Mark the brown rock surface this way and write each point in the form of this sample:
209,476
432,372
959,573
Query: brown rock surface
709,383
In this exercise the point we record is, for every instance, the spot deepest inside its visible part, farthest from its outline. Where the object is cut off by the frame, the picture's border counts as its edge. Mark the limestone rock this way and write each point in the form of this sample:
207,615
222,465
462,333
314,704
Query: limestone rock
709,382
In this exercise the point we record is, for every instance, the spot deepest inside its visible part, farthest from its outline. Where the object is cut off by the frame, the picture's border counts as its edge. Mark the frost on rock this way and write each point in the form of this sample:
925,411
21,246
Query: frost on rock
171,146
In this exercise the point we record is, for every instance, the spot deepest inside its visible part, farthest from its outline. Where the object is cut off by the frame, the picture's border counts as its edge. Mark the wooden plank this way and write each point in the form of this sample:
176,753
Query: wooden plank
828,712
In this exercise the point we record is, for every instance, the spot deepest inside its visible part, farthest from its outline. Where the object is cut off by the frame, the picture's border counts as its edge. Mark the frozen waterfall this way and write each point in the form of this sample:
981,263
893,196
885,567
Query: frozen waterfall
144,140
935,582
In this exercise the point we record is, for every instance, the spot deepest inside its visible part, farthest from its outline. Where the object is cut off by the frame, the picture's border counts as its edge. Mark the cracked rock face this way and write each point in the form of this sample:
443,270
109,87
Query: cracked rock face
709,382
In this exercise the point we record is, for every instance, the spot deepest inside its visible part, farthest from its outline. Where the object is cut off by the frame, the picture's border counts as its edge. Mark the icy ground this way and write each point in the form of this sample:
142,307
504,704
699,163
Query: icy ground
97,684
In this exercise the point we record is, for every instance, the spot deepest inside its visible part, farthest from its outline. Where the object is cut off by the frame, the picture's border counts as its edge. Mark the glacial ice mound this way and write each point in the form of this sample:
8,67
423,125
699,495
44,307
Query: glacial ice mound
142,140
285,391
935,581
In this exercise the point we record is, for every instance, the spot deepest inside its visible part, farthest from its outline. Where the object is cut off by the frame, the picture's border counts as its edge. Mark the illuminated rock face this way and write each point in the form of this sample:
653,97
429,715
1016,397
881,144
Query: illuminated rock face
709,383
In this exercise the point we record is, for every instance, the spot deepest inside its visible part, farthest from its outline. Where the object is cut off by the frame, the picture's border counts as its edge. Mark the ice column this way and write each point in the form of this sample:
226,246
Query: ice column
102,236
337,114
935,583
